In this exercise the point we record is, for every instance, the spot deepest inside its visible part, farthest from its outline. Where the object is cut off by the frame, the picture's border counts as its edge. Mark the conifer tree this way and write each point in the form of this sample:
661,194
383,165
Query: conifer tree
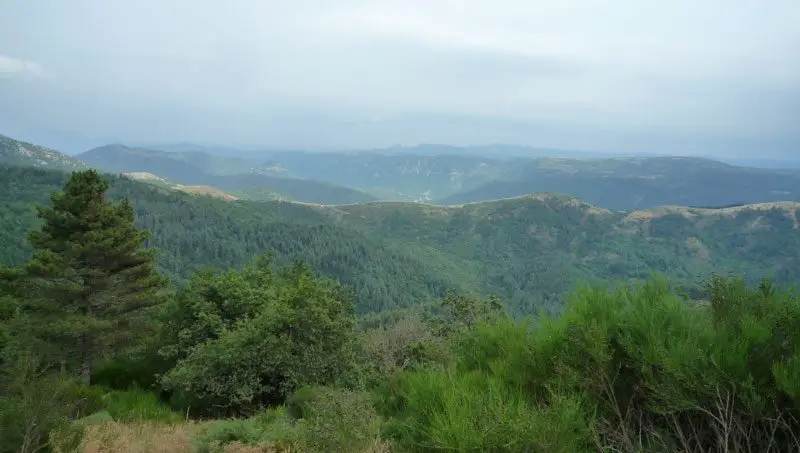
89,279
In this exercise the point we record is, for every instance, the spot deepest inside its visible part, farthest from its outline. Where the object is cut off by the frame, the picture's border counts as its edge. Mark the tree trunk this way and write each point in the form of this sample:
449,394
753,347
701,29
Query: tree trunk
86,370
86,359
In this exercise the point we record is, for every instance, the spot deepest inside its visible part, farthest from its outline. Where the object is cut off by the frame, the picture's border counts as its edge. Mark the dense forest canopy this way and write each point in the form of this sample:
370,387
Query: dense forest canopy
529,250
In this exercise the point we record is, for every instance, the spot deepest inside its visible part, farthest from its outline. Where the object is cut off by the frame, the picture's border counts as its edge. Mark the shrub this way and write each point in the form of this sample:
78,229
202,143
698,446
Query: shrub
34,403
408,344
297,406
634,369
272,427
247,340
451,411
138,405
338,420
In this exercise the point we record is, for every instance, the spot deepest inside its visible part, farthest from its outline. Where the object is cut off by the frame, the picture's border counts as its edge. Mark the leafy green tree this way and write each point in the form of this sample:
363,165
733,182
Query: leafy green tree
89,280
245,339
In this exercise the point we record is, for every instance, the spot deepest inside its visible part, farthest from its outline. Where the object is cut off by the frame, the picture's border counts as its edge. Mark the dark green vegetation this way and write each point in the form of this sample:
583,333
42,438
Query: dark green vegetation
643,367
207,170
529,250
194,232
634,370
88,273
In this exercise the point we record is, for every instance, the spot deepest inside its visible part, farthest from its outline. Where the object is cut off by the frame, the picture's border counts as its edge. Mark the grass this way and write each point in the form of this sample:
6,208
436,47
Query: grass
149,437
139,405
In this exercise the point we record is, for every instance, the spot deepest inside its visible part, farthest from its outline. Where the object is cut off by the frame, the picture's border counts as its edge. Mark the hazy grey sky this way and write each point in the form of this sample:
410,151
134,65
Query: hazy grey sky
683,76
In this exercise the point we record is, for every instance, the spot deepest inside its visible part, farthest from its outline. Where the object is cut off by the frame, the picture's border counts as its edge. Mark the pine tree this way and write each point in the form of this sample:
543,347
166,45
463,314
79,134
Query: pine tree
89,279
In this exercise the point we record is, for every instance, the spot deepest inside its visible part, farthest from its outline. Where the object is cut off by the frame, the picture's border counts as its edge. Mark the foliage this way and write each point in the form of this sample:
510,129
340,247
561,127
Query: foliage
471,411
338,420
634,369
242,340
89,276
35,402
272,427
137,405
193,233
408,344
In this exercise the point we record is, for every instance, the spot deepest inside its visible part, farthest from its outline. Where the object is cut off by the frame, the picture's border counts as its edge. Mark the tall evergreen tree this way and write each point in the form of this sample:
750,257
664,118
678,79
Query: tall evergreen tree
89,279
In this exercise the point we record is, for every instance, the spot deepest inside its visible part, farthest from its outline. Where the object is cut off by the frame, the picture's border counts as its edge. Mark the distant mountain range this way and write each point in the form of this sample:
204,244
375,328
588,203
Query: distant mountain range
229,174
637,183
433,174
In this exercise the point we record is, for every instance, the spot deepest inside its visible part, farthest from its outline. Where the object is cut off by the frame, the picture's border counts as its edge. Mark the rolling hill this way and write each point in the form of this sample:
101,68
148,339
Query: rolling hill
189,169
457,175
528,250
534,247
640,183
440,175
394,175
15,152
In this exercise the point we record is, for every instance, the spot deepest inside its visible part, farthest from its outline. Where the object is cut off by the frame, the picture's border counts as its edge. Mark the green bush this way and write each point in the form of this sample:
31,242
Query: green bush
452,411
297,405
338,420
634,369
246,340
35,402
272,427
138,405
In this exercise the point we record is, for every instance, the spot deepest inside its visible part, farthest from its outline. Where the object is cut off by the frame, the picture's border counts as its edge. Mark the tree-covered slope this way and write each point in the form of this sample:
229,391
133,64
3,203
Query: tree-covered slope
193,232
531,249
528,250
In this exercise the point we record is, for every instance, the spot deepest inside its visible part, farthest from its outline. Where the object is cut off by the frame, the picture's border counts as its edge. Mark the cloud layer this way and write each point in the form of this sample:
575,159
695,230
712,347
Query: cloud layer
709,77
14,67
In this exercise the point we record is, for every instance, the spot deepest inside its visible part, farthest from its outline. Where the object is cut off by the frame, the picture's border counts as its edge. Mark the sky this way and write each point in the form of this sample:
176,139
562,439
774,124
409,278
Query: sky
702,77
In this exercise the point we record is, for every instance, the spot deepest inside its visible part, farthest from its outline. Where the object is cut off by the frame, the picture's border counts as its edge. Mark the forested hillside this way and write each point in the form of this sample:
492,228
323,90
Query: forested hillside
529,250
192,232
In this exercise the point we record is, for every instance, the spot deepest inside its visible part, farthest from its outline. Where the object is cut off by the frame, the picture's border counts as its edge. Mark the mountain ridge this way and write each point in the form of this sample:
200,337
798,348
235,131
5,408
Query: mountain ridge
17,152
178,169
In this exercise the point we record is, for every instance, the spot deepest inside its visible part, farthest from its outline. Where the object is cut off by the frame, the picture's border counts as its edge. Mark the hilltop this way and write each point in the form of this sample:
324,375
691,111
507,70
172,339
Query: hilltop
15,152
252,194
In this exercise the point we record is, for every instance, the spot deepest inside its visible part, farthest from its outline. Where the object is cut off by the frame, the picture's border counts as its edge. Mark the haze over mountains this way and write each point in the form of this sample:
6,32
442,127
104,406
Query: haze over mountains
442,175
432,174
